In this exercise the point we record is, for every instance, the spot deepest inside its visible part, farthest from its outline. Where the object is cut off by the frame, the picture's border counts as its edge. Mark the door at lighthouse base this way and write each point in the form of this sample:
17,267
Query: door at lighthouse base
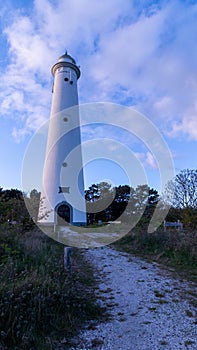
63,214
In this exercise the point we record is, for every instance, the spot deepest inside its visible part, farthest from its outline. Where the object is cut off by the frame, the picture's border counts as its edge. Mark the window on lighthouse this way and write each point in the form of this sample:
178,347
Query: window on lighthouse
70,76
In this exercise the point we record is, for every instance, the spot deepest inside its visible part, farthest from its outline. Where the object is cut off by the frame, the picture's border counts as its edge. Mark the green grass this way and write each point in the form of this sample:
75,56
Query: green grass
40,302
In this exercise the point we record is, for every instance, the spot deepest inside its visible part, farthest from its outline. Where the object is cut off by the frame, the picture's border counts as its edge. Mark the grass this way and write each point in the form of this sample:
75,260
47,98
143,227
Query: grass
41,302
171,248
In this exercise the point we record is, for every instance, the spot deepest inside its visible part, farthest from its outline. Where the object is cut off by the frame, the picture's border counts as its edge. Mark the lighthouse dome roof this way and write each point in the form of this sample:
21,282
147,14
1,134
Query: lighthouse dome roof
66,61
66,58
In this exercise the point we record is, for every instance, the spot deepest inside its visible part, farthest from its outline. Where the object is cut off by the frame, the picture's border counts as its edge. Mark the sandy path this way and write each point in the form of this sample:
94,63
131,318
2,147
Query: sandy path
150,310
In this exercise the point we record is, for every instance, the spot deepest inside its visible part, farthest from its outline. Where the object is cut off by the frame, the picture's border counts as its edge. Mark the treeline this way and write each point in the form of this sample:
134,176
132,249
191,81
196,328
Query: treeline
180,196
105,203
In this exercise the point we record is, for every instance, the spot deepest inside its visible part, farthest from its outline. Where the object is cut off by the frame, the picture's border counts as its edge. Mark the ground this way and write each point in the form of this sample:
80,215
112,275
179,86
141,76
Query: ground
149,308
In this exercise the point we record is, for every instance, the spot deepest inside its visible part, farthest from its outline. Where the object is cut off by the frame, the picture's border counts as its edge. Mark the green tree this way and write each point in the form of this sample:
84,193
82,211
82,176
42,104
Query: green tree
32,202
13,208
99,197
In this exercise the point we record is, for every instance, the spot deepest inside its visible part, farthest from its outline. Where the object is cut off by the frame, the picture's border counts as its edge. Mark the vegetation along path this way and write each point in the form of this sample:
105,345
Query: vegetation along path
148,308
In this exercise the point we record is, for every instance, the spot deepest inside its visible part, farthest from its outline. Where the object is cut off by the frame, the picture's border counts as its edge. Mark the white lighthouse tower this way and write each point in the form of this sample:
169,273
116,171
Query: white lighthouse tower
62,198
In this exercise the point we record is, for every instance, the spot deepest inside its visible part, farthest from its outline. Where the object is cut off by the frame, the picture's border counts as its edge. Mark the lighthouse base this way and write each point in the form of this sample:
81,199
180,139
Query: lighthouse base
63,214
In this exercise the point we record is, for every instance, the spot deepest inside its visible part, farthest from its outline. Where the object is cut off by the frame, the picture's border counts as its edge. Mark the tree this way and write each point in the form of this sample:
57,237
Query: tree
10,203
182,194
106,203
92,194
143,201
6,195
123,193
13,208
186,189
99,197
32,203
153,198
183,189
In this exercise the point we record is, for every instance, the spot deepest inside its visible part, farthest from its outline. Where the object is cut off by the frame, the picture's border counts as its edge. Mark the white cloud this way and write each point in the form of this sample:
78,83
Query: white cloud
34,44
138,54
187,125
150,161
152,61
165,105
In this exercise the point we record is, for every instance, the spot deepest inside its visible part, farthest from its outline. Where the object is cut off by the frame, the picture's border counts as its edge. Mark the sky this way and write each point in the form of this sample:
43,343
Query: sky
137,54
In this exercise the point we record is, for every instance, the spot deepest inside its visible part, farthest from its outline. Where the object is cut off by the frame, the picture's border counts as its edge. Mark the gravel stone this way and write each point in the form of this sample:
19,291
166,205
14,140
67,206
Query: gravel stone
148,306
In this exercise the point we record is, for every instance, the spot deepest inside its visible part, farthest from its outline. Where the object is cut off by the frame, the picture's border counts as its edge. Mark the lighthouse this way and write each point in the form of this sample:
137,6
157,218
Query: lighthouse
62,197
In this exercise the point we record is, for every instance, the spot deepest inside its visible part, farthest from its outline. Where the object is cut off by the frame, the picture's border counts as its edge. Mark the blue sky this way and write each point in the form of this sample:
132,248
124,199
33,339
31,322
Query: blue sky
140,54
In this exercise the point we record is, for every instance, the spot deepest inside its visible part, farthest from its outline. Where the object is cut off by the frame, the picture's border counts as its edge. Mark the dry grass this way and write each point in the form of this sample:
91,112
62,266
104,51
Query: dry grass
40,302
172,248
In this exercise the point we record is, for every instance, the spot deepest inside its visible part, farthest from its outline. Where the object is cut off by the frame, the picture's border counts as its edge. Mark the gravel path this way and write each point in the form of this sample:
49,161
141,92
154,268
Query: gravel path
149,309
